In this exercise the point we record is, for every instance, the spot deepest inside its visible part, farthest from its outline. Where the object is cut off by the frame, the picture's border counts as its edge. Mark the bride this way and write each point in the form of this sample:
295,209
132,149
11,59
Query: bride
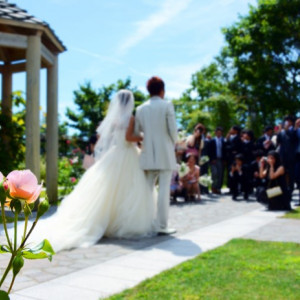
112,198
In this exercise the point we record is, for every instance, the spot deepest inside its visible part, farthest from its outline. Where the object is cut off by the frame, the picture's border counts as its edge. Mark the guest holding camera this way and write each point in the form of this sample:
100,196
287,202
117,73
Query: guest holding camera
273,171
239,179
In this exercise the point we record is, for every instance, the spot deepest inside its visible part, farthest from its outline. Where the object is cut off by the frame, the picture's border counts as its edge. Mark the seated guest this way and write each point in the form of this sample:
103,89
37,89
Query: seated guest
239,178
256,181
190,181
265,142
176,188
274,172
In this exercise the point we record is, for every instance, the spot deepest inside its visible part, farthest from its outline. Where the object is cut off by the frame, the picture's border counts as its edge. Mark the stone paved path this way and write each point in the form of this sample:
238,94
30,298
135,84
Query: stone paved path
186,218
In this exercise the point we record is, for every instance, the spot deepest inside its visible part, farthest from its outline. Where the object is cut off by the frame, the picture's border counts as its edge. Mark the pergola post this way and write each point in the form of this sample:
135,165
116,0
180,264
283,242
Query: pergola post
52,131
33,65
7,90
6,104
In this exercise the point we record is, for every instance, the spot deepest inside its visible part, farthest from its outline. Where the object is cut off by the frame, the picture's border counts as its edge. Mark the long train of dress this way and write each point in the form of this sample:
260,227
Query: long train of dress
111,199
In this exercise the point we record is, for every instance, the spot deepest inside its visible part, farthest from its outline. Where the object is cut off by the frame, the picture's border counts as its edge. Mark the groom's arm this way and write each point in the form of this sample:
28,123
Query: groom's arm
171,121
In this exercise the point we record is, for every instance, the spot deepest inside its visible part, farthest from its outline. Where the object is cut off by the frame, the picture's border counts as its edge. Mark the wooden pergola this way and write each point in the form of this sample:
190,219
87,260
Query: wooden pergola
28,44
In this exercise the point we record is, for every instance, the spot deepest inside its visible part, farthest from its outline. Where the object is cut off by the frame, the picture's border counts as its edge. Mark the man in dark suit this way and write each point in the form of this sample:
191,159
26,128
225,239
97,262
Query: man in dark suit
233,147
265,143
233,144
216,153
248,146
287,142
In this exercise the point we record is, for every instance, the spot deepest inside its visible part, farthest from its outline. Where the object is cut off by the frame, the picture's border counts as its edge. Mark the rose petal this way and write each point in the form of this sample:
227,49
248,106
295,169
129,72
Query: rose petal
36,194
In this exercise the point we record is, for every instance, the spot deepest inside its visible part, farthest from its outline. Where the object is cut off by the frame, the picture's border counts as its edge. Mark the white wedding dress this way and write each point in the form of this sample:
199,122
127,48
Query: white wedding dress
111,199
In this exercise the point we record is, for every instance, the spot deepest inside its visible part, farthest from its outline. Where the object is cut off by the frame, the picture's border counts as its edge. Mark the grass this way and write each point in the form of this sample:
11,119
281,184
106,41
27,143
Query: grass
293,214
241,269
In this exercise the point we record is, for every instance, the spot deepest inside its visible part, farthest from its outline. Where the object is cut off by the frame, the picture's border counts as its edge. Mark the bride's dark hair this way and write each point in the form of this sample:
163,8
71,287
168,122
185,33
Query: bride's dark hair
124,97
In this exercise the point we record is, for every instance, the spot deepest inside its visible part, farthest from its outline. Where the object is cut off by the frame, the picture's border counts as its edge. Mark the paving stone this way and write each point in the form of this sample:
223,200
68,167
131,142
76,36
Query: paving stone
186,218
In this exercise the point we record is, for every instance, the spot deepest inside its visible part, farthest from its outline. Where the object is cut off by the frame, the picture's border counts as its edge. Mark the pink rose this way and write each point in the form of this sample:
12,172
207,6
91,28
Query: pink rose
23,185
73,179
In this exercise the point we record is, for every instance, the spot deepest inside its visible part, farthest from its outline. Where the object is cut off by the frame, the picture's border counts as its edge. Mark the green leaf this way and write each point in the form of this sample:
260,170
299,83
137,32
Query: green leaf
4,295
41,251
4,249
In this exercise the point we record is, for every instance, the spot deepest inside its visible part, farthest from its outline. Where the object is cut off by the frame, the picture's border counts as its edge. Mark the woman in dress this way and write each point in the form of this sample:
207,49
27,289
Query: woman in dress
190,181
112,198
273,171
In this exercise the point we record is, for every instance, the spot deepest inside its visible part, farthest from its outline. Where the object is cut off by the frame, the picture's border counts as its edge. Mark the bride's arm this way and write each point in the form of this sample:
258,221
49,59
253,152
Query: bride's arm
130,136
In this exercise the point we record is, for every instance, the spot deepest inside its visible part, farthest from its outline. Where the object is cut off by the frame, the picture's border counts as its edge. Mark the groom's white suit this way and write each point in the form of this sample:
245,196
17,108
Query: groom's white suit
156,120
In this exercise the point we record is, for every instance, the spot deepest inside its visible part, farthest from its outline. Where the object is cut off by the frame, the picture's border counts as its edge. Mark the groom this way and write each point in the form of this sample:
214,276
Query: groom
156,120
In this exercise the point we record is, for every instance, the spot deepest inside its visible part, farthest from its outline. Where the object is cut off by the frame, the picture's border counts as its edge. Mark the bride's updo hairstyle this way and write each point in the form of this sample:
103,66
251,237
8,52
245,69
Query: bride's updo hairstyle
124,96
155,86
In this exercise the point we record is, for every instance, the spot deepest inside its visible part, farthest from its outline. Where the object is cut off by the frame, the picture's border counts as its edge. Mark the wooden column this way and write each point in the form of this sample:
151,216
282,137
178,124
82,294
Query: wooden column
6,104
52,131
33,65
7,90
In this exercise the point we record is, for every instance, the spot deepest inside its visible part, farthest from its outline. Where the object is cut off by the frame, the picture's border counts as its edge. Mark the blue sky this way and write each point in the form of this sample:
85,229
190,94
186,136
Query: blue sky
115,39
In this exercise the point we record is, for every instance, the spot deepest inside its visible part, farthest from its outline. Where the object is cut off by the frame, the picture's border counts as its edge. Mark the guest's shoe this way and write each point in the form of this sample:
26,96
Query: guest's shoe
214,190
166,231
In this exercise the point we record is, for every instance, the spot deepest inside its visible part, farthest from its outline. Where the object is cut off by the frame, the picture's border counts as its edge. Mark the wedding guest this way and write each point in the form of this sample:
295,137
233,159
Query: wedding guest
274,172
247,146
195,141
287,143
256,181
206,137
89,157
216,153
233,144
239,178
190,181
265,142
176,187
233,147
297,166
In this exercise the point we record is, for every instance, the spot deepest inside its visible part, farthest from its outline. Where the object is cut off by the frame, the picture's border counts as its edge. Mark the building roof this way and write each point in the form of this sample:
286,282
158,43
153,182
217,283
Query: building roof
14,15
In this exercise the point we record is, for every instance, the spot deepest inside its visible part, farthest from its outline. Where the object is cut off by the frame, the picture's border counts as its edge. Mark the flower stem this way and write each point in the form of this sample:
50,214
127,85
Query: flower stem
5,227
25,228
7,269
11,284
28,234
16,231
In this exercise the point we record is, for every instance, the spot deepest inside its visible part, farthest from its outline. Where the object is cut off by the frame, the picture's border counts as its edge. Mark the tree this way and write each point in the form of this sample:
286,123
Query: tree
208,101
92,105
12,152
263,56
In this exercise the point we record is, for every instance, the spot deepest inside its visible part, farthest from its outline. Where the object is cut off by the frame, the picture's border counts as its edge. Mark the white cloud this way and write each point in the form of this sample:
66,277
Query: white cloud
168,10
97,55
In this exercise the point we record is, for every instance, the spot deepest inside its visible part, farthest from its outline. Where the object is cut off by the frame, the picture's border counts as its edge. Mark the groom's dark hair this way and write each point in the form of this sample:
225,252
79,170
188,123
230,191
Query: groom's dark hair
155,85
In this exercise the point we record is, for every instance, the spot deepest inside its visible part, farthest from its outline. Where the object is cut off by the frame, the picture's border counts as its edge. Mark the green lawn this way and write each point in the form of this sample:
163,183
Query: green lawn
241,269
293,214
